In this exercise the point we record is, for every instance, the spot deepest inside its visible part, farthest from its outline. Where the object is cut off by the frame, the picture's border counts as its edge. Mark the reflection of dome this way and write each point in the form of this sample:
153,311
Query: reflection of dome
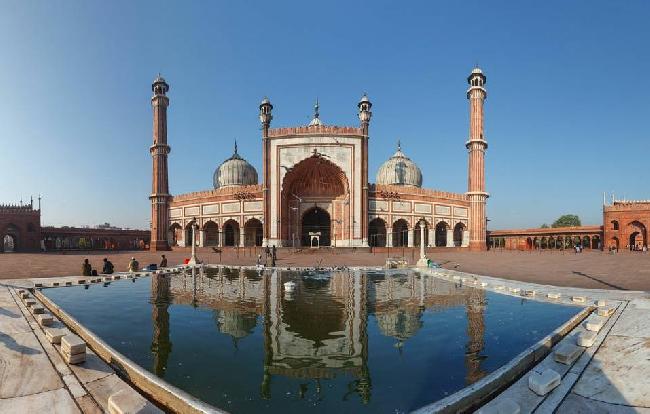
235,171
399,170
399,324
235,323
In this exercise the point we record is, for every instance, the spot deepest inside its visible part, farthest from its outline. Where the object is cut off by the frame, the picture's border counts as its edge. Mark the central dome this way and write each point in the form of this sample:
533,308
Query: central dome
234,171
399,170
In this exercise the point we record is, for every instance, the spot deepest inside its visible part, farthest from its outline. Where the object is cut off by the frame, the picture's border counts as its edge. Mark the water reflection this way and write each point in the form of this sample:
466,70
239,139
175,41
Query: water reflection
319,328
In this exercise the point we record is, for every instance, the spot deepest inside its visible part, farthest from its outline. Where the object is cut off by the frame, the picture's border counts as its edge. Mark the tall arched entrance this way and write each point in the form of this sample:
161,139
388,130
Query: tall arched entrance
253,232
211,233
377,233
231,233
316,220
459,230
8,243
400,233
637,235
441,234
316,197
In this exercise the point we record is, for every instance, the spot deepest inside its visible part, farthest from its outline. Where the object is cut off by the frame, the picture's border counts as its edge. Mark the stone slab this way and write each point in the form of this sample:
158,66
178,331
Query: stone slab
103,388
12,320
579,299
553,295
71,344
74,359
88,405
601,302
503,406
576,404
56,401
586,339
24,367
634,323
36,309
541,383
605,311
567,353
123,402
595,323
45,319
618,373
54,335
91,370
74,386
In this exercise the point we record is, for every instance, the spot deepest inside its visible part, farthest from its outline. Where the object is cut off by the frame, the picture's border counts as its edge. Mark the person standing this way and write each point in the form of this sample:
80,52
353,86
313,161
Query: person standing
86,269
163,262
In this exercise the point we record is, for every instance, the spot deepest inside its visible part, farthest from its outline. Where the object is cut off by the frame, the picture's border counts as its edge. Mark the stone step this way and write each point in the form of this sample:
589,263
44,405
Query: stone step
595,323
36,309
74,359
45,319
605,311
129,401
586,339
503,406
72,344
541,383
54,335
567,353
553,295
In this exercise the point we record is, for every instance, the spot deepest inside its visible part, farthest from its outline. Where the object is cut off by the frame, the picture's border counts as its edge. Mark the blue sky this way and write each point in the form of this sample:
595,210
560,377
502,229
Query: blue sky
565,117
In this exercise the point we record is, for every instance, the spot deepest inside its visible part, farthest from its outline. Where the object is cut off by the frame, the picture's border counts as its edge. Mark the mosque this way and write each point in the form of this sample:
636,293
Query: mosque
315,190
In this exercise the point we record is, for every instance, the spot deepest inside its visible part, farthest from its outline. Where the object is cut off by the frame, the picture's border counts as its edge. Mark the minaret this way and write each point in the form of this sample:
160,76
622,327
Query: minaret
365,114
265,118
476,146
160,182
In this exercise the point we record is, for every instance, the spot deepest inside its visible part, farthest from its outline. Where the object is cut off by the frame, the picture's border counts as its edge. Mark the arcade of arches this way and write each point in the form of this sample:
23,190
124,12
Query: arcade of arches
401,234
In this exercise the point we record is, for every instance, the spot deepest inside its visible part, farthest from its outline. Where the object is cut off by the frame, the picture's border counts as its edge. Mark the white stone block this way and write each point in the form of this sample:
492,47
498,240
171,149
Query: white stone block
71,344
74,359
529,293
117,277
502,406
499,287
68,283
30,302
38,285
579,299
514,290
81,281
23,294
601,302
567,353
553,295
45,319
36,309
129,401
484,284
595,323
54,335
541,383
55,284
605,311
586,339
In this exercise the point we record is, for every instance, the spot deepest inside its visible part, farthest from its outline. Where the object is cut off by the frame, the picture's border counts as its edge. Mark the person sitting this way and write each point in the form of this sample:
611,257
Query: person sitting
163,262
86,269
108,267
133,265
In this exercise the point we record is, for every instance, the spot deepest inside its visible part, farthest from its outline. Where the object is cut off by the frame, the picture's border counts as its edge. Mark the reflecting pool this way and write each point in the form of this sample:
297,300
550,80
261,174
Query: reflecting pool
349,341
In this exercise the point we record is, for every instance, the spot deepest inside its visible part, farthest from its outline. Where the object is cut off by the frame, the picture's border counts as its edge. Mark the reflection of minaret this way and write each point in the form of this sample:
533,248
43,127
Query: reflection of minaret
475,307
161,346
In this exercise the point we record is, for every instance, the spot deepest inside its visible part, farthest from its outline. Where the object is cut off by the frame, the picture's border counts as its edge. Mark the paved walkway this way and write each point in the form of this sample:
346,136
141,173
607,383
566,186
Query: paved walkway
33,375
592,270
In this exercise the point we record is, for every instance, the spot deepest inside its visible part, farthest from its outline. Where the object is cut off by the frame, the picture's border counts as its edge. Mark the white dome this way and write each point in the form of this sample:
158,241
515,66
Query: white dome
399,170
234,171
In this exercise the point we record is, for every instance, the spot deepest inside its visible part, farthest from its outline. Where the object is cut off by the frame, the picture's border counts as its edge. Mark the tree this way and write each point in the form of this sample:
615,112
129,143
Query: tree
544,226
567,220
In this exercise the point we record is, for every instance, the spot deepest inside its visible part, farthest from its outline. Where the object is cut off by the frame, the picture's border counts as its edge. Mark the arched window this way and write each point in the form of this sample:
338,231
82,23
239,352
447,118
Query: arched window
614,224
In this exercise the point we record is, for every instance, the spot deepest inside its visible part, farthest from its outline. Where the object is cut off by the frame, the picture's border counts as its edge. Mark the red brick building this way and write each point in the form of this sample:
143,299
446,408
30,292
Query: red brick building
21,231
625,224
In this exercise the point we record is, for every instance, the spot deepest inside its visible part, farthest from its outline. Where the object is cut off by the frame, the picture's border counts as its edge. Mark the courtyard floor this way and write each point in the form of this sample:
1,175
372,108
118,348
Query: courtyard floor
591,270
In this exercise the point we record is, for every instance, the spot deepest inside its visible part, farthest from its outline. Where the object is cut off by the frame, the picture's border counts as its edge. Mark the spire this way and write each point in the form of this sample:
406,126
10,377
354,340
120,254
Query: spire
235,147
316,120
399,145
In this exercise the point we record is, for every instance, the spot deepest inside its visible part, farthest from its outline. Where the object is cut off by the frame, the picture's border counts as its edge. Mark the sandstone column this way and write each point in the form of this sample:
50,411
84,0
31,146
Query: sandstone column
159,151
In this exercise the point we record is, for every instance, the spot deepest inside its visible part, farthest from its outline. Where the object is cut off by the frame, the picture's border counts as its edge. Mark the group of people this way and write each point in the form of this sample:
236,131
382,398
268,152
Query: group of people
108,268
269,252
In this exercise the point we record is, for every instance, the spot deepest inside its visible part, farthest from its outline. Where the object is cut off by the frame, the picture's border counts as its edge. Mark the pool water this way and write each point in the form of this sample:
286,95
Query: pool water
348,341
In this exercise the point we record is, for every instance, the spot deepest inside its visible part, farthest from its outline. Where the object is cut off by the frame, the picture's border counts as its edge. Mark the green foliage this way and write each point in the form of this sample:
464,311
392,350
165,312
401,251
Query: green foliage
567,220
544,226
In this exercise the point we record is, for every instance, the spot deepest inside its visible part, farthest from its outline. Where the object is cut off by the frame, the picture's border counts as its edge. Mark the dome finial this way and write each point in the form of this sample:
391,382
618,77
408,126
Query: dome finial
236,147
316,120
399,145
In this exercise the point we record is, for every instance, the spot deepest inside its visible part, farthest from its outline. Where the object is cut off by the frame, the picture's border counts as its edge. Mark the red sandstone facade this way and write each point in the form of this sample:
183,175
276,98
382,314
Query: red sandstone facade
625,224
315,181
20,228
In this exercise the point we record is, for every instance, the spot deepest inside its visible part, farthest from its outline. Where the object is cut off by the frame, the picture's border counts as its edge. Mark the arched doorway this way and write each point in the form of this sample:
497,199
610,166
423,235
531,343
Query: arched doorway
595,242
253,233
9,243
637,238
231,233
316,183
459,229
316,220
400,233
188,234
418,232
377,233
175,234
211,234
441,234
